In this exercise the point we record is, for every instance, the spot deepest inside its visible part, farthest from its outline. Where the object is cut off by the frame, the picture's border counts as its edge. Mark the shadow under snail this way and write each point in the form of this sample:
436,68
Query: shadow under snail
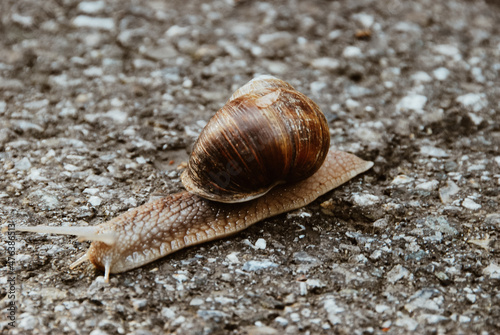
265,152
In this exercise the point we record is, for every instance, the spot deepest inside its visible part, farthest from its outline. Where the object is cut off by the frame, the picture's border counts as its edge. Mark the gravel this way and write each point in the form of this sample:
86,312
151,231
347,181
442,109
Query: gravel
101,101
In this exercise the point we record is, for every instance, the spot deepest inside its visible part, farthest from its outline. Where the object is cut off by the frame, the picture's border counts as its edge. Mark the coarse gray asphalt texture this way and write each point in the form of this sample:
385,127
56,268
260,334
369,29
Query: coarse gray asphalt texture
101,101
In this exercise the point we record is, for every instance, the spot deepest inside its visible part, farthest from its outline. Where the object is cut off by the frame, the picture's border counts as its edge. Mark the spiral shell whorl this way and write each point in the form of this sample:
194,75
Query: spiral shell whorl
267,133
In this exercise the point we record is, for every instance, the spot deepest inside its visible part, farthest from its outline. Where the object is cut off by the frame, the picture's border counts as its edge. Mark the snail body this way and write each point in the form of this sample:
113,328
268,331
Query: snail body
158,228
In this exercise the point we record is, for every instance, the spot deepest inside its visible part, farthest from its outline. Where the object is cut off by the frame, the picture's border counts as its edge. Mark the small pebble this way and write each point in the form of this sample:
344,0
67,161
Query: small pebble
475,101
23,164
431,151
95,201
363,199
196,302
446,193
276,40
258,265
364,19
91,7
421,77
441,73
83,21
407,323
413,102
401,180
448,50
470,204
352,52
428,186
398,272
325,63
260,244
492,270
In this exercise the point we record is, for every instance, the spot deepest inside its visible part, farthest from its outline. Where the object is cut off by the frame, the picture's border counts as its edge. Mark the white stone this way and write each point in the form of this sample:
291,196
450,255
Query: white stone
407,27
431,318
317,87
91,7
91,191
421,77
36,175
27,321
401,179
477,73
99,180
398,272
196,302
95,201
295,317
168,313
176,30
407,322
233,257
364,19
463,319
334,34
84,21
325,63
446,192
441,73
93,71
423,299
117,115
476,119
276,40
431,151
140,160
363,199
476,167
259,265
23,20
471,297
352,52
71,167
315,283
180,277
492,270
352,105
23,164
37,104
413,102
475,101
428,186
448,50
260,244
224,300
281,321
470,204
376,254
381,308
497,159
332,309
3,107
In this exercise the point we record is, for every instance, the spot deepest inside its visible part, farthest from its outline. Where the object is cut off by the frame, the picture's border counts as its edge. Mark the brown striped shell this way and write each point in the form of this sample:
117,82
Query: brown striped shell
267,134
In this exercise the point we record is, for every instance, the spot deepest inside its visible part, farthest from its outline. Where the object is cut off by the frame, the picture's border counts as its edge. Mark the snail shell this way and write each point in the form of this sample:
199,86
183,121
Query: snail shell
267,134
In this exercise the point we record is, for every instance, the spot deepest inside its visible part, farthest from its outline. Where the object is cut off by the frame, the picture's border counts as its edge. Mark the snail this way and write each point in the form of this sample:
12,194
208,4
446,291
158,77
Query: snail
265,152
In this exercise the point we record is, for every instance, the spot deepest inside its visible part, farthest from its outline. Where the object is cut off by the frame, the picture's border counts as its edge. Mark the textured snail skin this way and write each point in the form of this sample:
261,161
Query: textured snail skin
161,227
